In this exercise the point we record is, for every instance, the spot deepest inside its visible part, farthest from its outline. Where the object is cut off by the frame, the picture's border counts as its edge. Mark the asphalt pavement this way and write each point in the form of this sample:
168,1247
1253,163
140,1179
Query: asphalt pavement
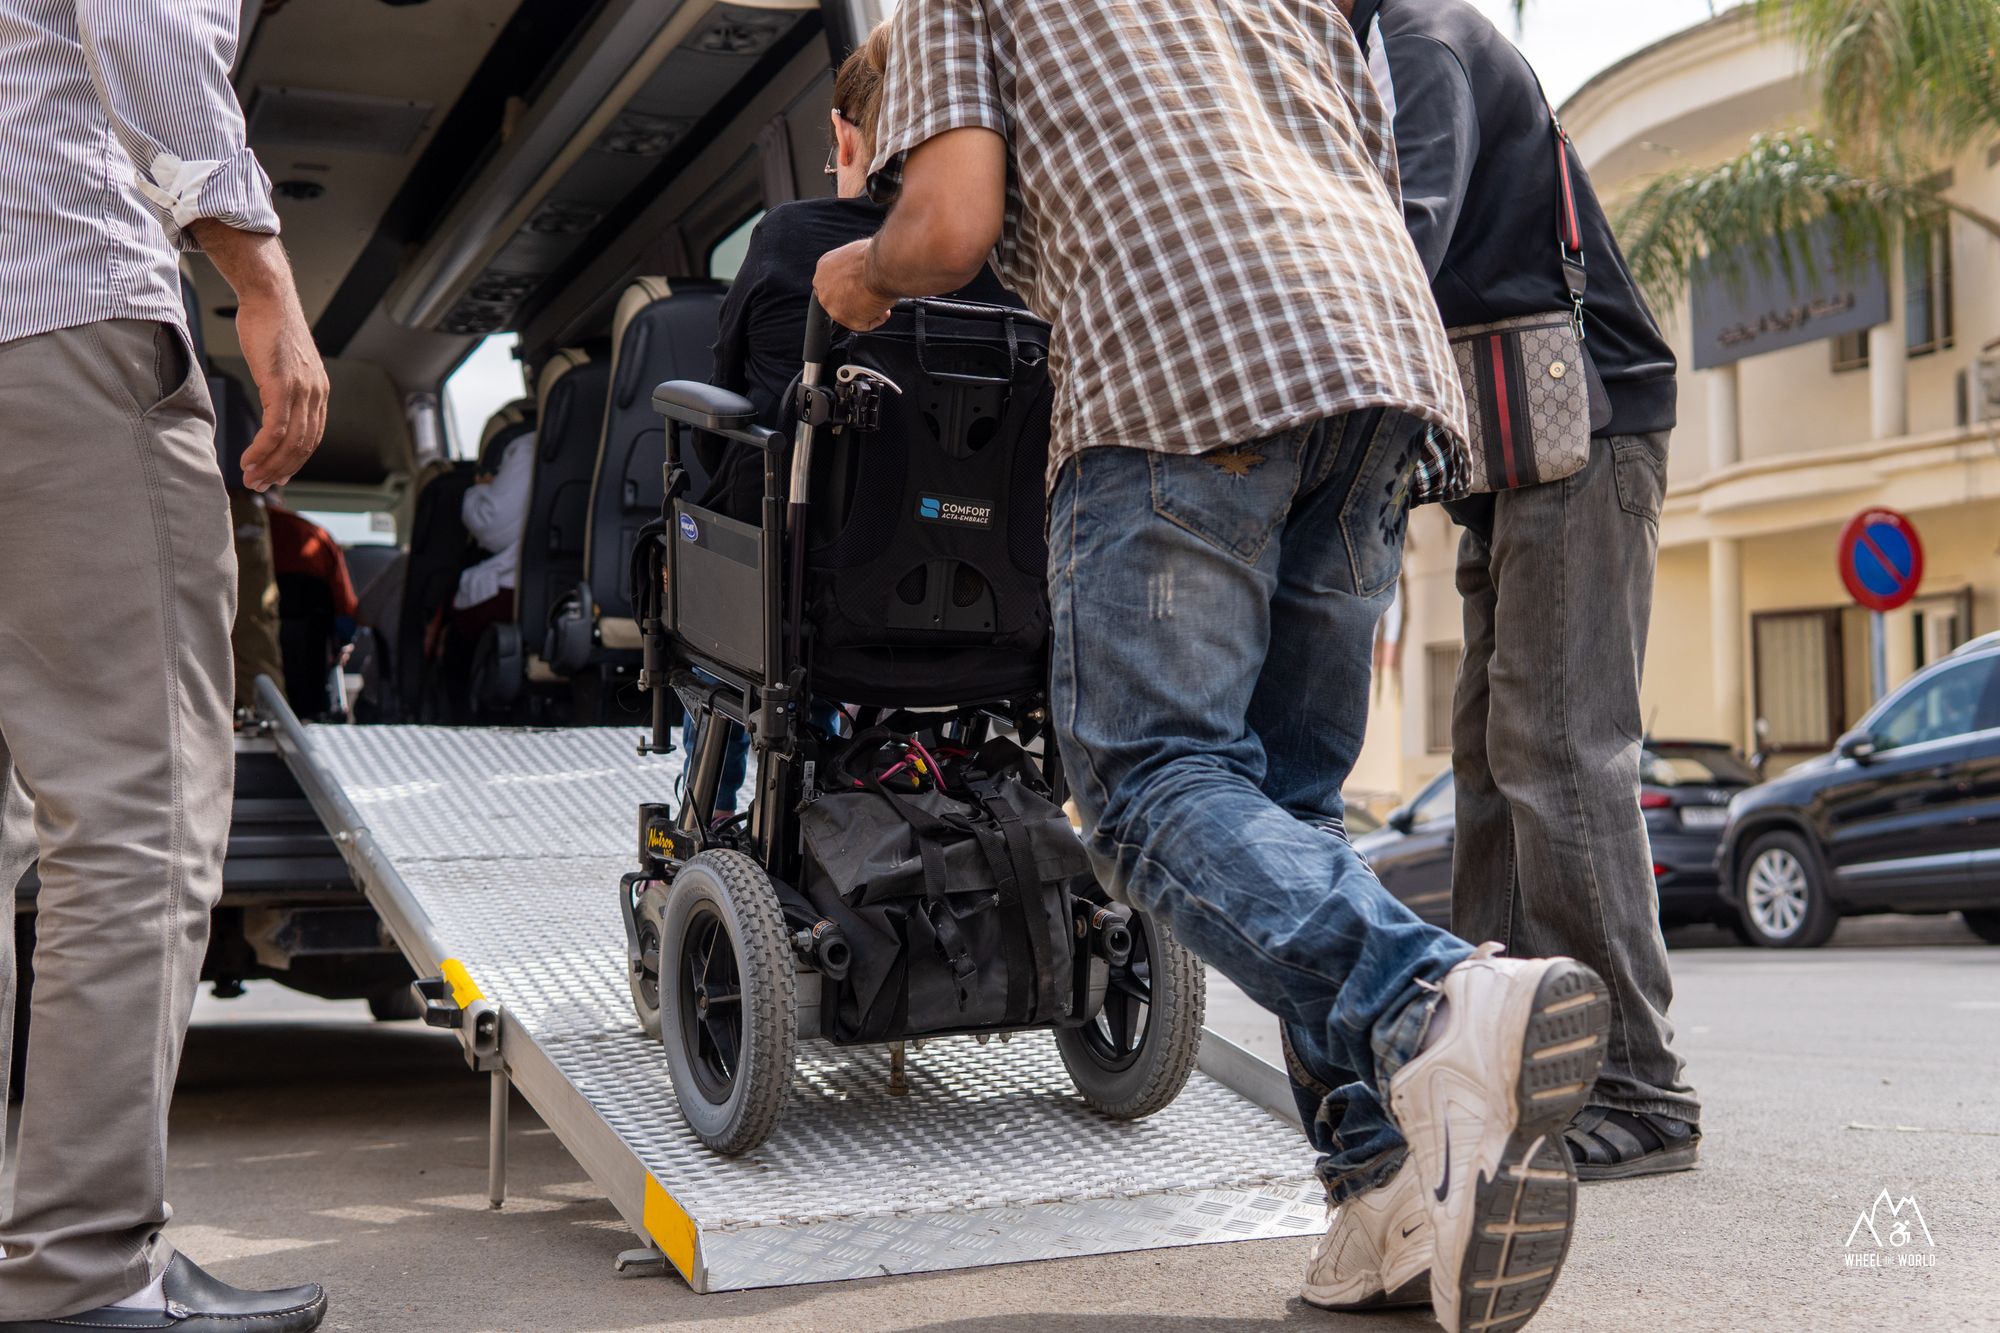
310,1143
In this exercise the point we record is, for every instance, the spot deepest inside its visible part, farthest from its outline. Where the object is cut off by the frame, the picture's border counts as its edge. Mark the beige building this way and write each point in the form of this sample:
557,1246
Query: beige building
1773,455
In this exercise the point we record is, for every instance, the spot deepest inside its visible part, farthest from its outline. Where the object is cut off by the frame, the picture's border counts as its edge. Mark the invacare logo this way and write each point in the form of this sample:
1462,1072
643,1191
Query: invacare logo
955,510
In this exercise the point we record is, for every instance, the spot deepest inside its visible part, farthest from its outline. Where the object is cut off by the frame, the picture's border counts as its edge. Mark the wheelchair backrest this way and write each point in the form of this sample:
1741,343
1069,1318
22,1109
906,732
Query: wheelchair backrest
662,332
570,408
928,531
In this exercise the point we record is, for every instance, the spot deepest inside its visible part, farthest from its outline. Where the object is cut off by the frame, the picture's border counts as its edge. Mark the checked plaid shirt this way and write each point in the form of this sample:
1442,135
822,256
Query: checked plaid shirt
1202,199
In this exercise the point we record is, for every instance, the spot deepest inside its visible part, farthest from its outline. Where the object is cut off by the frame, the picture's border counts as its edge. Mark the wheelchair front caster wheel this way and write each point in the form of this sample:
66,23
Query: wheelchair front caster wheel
1135,1056
643,972
728,1000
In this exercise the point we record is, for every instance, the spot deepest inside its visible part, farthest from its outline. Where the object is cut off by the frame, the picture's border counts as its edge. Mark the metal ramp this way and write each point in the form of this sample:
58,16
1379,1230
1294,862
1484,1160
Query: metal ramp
494,857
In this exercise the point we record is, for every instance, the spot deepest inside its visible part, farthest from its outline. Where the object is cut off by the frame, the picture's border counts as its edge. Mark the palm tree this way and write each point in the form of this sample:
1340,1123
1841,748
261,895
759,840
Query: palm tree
1905,84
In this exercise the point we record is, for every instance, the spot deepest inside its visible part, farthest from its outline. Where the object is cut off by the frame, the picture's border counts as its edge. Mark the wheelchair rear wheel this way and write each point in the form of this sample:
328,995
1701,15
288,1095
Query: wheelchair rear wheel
1135,1057
728,1000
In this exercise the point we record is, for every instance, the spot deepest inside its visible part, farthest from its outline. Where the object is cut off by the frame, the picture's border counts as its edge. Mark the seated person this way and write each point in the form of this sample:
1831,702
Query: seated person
301,546
315,605
495,510
763,322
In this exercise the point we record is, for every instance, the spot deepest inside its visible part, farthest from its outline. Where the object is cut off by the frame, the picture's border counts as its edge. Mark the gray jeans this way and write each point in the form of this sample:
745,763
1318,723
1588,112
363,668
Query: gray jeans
117,588
1552,856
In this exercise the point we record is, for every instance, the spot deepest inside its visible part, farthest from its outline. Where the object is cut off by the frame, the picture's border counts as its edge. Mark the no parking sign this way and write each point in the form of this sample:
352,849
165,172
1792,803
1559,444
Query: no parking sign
1881,559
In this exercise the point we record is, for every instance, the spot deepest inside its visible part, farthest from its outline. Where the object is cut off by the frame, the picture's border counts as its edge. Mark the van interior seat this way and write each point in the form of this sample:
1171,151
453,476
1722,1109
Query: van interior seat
570,399
662,331
502,429
440,549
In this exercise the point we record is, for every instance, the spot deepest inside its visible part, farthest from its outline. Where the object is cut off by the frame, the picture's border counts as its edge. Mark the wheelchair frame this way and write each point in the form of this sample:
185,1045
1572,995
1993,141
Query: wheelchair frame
769,700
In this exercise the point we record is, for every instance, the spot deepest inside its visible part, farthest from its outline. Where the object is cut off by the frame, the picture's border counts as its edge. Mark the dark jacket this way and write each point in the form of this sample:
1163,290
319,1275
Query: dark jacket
1475,138
760,341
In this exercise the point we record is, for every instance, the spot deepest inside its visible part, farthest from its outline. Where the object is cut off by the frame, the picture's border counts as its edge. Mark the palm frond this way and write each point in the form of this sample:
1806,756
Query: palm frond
1899,79
1761,212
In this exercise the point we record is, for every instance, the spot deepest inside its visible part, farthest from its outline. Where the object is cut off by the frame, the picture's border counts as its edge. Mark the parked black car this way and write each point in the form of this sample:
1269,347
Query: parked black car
1902,816
1685,793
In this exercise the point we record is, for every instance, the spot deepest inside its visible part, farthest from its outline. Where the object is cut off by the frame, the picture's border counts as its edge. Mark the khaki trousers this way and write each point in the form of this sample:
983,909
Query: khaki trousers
117,588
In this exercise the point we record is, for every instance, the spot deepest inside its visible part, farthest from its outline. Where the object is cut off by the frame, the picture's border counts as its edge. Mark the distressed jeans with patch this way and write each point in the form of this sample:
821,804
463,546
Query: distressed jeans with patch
1552,855
1214,623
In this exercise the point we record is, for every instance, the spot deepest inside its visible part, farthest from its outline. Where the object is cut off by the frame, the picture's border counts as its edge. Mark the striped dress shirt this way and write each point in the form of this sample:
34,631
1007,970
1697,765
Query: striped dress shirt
118,128
1202,199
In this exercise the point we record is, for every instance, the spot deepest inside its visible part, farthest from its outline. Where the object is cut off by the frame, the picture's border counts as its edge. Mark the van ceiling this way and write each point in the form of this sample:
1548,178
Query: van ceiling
446,166
342,97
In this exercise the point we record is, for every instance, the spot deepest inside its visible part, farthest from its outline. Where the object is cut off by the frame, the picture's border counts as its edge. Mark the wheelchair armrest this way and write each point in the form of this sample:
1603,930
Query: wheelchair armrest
717,411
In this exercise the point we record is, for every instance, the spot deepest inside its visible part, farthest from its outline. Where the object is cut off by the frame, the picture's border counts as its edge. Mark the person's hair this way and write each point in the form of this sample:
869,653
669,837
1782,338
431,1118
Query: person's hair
857,88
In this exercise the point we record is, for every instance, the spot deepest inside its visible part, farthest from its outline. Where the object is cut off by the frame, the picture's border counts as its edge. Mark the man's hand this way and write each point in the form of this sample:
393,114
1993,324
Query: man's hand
278,347
841,283
944,224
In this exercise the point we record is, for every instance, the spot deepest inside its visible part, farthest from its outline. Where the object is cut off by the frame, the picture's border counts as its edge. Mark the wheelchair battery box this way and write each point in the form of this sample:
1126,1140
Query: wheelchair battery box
718,586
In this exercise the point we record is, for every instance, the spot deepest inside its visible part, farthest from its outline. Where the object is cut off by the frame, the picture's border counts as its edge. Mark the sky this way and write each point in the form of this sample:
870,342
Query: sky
1566,40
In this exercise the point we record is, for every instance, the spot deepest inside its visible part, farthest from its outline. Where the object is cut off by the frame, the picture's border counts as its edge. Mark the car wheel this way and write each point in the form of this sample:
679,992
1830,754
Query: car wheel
1784,895
1985,924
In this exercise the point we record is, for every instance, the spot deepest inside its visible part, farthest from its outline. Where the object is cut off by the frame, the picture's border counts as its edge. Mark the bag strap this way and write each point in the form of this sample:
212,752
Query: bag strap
1046,928
931,831
1569,233
1569,222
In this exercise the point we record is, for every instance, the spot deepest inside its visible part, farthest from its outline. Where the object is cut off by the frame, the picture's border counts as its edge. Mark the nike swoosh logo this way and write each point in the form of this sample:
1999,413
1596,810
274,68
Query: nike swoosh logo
1410,1231
1444,1186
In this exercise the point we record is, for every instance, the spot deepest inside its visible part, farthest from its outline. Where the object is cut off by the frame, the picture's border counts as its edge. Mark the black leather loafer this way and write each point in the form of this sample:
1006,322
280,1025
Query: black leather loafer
199,1303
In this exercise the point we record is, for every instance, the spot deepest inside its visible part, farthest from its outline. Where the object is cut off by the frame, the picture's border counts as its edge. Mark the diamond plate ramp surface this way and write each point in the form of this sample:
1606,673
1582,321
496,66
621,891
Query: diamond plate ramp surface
513,843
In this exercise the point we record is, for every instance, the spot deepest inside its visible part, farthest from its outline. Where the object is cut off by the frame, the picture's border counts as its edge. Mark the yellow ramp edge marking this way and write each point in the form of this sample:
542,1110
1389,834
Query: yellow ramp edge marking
463,988
670,1227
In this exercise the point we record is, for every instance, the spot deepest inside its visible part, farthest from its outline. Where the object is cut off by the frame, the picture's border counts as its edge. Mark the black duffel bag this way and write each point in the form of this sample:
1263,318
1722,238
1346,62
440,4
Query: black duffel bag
955,889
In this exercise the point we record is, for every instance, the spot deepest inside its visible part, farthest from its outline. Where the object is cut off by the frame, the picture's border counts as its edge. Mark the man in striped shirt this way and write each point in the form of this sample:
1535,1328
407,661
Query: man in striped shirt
121,143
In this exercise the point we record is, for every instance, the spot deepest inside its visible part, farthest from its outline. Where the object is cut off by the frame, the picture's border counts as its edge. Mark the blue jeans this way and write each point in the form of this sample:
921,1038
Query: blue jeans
1214,627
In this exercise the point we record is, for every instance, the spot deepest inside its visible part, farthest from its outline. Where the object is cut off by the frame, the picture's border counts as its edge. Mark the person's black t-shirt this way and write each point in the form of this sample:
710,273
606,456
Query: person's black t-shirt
761,339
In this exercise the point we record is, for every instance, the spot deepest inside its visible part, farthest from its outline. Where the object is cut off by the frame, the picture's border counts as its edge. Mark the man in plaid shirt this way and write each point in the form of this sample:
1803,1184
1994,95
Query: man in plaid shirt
1202,200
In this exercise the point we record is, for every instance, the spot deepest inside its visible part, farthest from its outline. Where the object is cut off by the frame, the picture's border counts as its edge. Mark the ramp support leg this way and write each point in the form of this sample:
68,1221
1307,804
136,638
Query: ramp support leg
496,1140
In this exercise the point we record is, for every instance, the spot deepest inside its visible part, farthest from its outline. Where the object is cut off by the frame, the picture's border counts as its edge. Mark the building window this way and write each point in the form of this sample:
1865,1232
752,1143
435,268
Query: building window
1440,683
1938,624
1799,676
1928,304
1850,352
1927,267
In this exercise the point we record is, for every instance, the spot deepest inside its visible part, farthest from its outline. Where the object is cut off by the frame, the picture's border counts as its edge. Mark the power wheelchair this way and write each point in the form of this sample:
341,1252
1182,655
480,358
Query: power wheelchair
881,632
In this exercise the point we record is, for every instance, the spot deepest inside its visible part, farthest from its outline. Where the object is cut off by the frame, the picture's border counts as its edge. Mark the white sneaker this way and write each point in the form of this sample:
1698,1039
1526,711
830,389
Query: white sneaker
1483,1106
1376,1254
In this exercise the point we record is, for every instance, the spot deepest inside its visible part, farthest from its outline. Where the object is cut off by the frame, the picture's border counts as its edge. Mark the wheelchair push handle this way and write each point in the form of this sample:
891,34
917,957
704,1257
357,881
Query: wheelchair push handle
819,333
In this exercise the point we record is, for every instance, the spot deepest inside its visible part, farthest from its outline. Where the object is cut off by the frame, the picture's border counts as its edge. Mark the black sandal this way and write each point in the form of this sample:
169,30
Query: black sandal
1617,1145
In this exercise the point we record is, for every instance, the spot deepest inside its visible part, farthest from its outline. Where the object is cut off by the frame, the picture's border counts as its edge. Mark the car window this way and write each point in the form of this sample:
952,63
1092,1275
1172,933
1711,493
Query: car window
726,256
1436,804
1693,766
484,382
1945,705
